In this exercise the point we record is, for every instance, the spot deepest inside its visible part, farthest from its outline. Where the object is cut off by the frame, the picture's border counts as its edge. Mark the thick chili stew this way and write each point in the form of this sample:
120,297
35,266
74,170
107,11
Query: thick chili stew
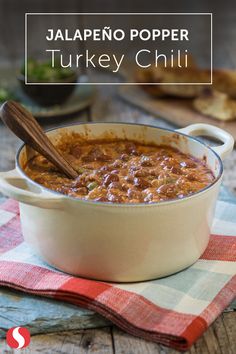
122,171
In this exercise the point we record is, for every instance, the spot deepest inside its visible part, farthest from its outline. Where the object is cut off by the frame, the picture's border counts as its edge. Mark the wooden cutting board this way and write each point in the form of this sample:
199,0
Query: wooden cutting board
177,111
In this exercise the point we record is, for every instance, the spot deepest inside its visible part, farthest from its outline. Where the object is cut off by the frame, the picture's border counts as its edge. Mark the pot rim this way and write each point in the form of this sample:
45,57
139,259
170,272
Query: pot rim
164,202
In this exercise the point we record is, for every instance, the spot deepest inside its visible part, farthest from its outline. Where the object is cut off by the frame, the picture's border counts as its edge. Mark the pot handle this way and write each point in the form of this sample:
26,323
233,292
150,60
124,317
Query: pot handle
16,187
210,130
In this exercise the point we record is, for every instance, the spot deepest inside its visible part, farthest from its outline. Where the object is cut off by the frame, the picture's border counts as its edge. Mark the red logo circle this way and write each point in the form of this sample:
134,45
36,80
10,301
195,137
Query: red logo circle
18,337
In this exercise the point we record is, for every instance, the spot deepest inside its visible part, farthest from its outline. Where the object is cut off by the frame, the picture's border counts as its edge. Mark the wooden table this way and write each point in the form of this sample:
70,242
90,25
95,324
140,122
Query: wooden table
220,337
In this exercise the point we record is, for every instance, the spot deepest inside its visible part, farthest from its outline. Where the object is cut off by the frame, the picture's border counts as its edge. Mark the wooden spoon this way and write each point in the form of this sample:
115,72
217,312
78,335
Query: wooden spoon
24,125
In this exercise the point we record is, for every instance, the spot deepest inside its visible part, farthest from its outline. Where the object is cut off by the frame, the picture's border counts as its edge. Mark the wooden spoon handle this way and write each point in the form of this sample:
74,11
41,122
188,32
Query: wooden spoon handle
25,126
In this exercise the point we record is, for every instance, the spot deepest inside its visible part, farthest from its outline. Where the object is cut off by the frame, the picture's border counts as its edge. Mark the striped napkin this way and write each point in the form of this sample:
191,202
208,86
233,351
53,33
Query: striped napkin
174,311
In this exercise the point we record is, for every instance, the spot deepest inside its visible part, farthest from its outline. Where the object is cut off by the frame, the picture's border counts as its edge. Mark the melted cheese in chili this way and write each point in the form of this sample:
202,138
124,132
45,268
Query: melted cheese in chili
122,171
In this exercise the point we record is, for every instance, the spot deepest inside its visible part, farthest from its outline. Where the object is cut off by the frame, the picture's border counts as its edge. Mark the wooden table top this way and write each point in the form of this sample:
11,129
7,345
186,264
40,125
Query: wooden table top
219,338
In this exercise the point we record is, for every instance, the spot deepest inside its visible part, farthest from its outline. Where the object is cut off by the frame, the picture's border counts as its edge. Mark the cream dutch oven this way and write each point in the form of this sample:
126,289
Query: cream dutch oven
120,242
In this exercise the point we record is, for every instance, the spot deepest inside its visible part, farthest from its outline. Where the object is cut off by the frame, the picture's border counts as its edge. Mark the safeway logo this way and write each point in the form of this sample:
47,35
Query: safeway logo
18,337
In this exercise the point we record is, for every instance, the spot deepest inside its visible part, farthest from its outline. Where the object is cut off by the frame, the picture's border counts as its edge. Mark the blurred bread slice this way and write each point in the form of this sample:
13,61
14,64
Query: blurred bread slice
215,104
146,76
225,81
191,74
188,75
170,74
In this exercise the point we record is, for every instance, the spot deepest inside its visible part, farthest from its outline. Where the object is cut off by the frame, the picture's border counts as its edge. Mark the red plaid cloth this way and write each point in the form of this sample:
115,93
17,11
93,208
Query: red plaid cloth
174,311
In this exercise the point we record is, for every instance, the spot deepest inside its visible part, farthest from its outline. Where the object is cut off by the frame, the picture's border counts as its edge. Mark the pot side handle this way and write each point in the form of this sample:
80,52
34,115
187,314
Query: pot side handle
16,187
210,130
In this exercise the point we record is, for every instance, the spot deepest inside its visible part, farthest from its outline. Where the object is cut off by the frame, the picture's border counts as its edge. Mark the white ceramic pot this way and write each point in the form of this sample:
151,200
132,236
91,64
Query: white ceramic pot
120,242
